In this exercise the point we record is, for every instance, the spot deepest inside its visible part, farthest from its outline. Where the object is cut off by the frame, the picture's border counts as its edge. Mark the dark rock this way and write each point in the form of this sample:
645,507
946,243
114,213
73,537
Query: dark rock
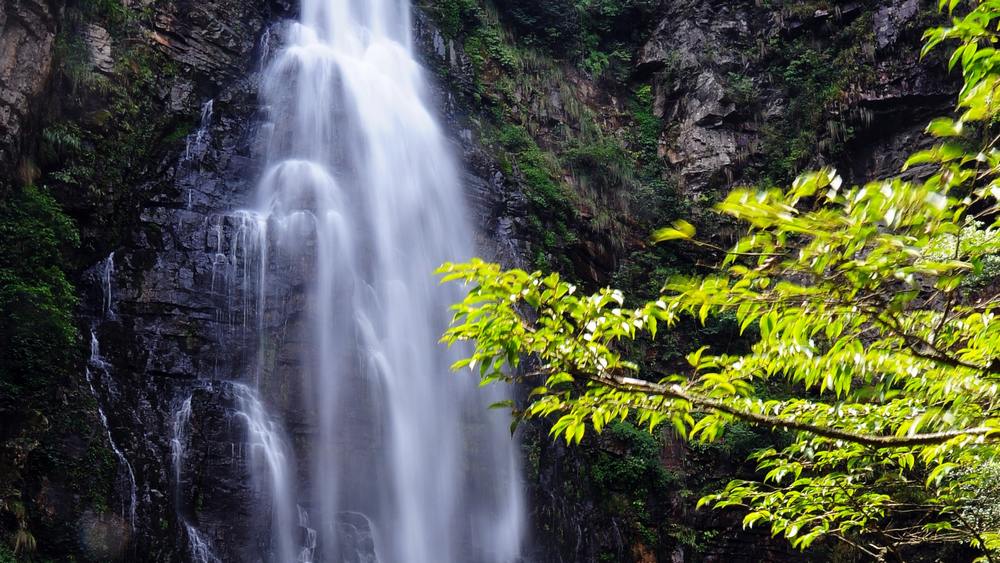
27,35
696,49
890,19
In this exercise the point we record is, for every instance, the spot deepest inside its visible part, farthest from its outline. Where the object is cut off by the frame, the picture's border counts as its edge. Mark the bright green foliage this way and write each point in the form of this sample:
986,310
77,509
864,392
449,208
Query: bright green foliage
874,315
37,334
37,337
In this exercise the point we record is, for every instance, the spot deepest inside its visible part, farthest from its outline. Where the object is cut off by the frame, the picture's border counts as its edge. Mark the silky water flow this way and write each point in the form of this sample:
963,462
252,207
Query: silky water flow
390,457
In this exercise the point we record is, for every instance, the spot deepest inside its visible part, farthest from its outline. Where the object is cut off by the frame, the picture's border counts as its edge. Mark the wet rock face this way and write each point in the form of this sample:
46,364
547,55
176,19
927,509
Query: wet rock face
498,204
164,315
698,52
213,37
181,317
27,34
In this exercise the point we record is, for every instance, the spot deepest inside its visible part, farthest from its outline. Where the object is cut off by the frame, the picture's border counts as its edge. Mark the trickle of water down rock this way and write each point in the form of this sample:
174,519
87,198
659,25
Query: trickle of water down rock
363,445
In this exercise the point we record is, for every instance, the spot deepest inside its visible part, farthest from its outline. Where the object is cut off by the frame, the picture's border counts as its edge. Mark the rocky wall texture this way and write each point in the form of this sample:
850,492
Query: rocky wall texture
724,75
105,102
27,34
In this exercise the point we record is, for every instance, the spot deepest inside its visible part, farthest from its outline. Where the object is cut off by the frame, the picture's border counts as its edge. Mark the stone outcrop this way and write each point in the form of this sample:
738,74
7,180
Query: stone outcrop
27,36
98,42
698,50
690,49
212,38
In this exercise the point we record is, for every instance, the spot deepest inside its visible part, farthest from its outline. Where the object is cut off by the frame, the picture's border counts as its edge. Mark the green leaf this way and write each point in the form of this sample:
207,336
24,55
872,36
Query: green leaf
945,127
679,229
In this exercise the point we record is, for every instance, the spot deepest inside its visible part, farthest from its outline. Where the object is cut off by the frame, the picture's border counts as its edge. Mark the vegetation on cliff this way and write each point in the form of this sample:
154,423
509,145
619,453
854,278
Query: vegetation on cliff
37,335
877,347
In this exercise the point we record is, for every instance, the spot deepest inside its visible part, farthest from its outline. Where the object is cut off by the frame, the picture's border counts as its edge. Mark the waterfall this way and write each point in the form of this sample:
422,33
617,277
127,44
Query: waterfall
395,460
271,460
201,551
178,443
309,545
199,548
107,276
126,478
196,144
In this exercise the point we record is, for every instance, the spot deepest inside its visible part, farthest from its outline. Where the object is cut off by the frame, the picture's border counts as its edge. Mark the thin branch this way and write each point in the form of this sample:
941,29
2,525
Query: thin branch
938,355
871,440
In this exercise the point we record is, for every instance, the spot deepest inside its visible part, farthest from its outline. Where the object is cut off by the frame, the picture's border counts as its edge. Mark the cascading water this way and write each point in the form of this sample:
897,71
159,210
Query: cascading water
269,458
102,386
197,143
96,366
199,548
107,275
396,460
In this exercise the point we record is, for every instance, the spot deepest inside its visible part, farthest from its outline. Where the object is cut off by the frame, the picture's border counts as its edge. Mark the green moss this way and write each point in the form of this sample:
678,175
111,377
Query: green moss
742,90
179,133
555,25
635,467
454,17
551,203
111,13
38,350
597,35
97,469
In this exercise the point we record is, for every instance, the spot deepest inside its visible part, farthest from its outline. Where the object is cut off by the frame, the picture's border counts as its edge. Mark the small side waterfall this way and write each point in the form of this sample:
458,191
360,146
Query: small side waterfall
98,369
309,544
196,144
178,442
200,549
100,381
271,461
107,274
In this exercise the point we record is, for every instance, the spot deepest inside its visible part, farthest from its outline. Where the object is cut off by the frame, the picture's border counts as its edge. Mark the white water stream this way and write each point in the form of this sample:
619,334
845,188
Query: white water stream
360,175
98,368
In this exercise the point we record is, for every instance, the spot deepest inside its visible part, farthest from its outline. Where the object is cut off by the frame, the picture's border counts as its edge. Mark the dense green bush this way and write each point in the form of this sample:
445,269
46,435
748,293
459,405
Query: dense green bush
37,334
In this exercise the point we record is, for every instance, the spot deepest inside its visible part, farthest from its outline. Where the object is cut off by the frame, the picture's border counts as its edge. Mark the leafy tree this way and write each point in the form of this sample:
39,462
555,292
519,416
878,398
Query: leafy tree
878,348
37,334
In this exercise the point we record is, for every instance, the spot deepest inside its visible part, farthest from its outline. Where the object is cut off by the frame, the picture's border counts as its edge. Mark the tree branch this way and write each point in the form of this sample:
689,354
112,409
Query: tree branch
875,441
